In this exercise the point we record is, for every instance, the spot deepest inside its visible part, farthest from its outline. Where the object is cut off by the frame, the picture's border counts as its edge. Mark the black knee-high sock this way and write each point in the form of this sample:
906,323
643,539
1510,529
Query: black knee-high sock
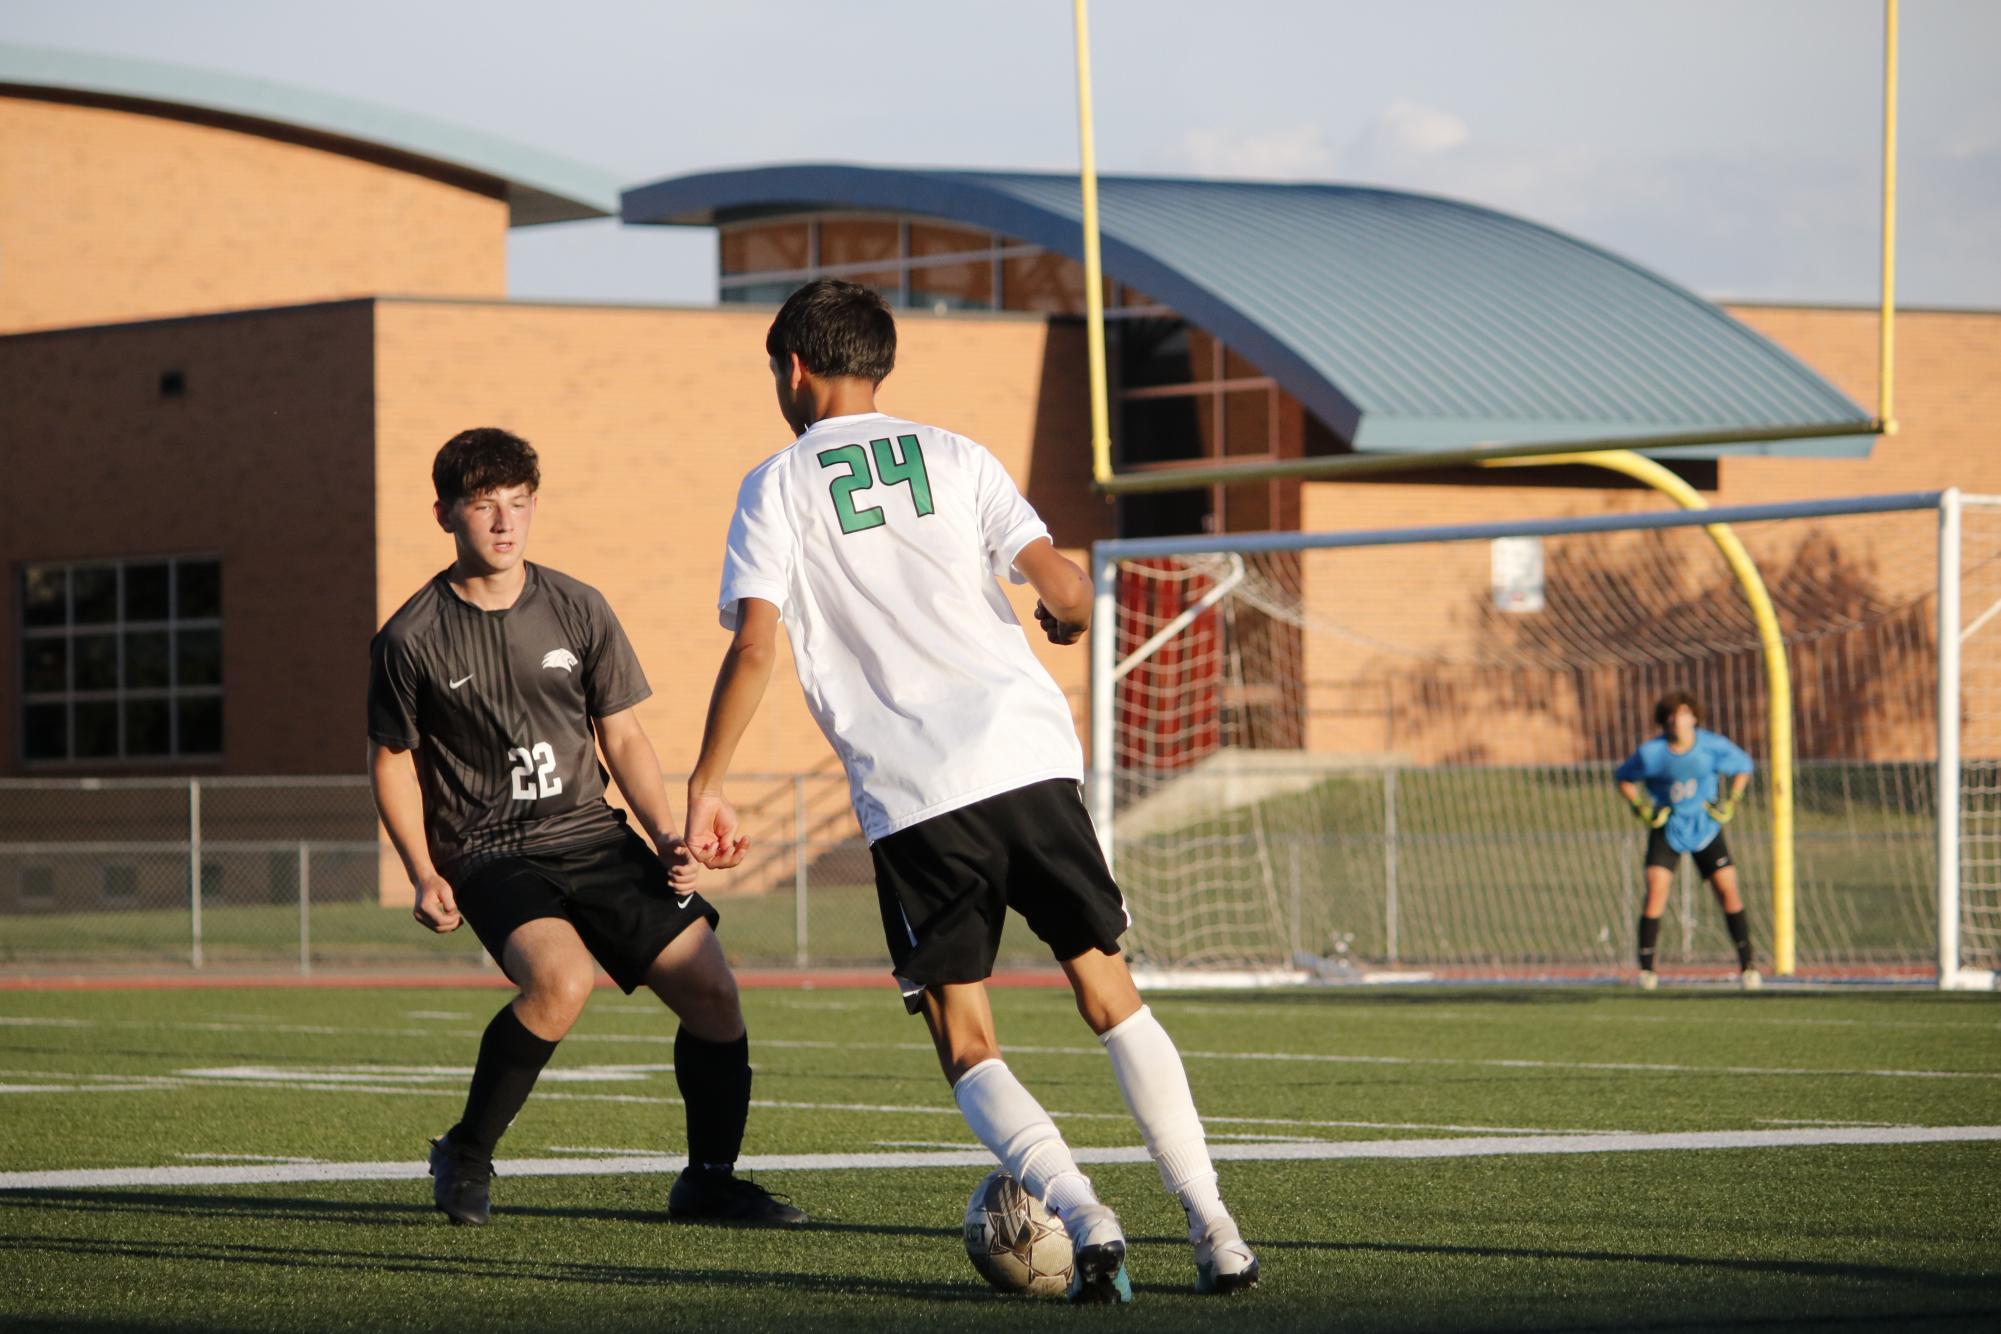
714,1078
1650,934
1740,936
510,1057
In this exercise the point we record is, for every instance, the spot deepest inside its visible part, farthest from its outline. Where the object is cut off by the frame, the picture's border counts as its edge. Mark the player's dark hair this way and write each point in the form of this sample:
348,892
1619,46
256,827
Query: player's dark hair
1672,702
483,459
838,329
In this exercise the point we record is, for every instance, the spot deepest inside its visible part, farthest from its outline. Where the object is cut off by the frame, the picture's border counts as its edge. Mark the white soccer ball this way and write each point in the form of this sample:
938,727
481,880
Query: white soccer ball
1016,1243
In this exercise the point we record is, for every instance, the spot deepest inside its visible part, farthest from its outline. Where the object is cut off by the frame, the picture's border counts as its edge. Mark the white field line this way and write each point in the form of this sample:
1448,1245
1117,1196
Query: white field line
654,1164
1639,1067
446,1081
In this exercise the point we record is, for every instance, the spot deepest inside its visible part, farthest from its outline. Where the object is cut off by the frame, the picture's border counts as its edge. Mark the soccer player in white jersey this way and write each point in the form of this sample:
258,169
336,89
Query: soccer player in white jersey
878,542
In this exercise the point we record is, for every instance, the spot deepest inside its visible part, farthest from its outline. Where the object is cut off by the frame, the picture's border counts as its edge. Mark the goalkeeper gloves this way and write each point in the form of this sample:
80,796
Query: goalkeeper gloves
1721,809
1650,815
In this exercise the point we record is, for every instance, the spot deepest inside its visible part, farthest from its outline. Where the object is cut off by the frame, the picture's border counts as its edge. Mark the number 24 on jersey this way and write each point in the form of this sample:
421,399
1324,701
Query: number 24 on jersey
889,470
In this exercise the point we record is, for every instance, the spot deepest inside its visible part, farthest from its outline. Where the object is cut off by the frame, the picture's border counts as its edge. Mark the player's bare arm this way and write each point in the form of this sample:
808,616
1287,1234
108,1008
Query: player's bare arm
635,767
714,835
392,776
1062,589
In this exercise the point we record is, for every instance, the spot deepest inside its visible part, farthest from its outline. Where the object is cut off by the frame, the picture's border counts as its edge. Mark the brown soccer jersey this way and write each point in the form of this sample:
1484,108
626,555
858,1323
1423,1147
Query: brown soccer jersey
497,707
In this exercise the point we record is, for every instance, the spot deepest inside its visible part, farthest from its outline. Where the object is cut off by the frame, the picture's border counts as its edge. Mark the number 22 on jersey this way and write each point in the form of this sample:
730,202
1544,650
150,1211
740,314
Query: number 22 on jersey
535,771
889,470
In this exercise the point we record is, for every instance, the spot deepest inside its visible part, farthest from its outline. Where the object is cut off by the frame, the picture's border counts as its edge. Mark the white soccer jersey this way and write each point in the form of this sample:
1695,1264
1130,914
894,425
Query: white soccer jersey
879,541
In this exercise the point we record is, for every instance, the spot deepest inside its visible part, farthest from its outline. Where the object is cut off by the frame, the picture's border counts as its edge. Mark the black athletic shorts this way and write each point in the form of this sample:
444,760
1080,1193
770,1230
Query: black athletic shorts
615,894
1708,860
945,884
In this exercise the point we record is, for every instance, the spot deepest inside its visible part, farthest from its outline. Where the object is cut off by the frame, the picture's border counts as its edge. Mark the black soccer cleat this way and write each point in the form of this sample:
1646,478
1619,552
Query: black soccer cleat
718,1195
1098,1275
460,1184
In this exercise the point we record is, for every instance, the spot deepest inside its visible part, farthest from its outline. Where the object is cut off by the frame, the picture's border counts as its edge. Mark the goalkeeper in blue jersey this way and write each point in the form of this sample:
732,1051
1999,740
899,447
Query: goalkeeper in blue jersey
1675,785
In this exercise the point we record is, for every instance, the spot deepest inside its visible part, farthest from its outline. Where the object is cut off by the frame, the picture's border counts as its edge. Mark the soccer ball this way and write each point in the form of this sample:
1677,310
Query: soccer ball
1016,1243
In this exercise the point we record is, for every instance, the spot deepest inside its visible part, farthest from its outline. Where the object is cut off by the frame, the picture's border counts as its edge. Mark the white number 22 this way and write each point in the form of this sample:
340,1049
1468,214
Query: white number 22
534,772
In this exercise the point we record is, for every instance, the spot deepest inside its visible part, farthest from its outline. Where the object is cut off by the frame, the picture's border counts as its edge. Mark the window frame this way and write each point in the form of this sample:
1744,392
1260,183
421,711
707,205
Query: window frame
173,692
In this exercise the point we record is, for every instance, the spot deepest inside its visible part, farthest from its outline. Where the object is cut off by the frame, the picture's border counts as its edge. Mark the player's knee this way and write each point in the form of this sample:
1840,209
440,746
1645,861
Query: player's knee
716,997
556,999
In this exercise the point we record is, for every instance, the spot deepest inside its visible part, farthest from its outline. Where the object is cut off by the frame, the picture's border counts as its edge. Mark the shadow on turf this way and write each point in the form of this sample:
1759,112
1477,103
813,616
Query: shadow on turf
417,1212
459,1267
1814,1269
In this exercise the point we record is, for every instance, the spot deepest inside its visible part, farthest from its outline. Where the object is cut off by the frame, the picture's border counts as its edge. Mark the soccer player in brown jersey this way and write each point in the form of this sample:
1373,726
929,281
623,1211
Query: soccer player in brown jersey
492,694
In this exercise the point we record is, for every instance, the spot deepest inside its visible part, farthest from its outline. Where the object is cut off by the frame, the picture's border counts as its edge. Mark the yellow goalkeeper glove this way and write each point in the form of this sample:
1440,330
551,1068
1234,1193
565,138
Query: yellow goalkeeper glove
1721,809
1650,815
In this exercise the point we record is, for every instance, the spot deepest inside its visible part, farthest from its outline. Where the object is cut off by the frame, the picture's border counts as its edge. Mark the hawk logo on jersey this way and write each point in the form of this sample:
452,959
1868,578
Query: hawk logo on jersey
560,657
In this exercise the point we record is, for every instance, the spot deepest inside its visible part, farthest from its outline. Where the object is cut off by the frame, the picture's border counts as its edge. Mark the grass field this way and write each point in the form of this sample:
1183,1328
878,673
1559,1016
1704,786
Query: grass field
1421,1160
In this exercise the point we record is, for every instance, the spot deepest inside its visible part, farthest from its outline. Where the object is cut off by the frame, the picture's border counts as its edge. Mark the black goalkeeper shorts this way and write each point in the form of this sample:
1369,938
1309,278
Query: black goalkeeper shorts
945,884
615,894
1709,859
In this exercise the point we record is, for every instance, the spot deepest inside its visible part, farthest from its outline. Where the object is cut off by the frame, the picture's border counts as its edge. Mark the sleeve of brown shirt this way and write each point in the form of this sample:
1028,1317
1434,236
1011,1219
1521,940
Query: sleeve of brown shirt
613,679
392,694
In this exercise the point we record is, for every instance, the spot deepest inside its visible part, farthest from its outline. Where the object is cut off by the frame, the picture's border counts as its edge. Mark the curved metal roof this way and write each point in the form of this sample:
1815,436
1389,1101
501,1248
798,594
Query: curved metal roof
539,187
1404,322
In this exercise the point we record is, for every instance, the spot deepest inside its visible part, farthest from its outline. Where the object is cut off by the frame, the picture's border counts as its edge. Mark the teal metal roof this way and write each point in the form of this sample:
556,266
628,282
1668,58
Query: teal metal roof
1406,323
539,187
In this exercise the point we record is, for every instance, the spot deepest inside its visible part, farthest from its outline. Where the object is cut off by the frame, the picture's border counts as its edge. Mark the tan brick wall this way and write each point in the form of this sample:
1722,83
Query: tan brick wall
264,460
117,215
646,421
1948,402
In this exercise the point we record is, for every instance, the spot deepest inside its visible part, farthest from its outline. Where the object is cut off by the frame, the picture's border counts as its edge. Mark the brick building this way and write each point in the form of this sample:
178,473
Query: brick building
236,322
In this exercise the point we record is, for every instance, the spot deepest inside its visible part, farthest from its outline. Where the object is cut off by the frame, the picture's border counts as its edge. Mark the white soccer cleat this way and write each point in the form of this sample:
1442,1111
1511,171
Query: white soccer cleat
1223,1263
1098,1257
1751,979
1649,979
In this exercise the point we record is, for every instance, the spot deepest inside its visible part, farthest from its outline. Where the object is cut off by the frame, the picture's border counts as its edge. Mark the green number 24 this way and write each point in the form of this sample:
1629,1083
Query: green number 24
888,469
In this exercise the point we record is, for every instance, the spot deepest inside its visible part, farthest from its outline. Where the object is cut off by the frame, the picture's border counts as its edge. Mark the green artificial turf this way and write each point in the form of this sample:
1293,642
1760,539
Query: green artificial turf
1835,1236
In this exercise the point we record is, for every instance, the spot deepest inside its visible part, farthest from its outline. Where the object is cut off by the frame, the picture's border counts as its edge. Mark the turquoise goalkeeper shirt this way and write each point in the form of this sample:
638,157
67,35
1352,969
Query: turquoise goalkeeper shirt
1685,781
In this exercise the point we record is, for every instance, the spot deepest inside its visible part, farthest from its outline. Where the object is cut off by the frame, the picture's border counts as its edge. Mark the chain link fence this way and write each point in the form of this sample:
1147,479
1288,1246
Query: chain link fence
292,874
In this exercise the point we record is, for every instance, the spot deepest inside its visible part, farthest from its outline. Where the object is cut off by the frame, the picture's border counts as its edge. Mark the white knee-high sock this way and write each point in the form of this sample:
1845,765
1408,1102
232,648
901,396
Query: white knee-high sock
1015,1129
1150,1075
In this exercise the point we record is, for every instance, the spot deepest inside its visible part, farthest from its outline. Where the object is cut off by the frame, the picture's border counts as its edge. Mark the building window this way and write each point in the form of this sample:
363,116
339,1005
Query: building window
121,660
916,263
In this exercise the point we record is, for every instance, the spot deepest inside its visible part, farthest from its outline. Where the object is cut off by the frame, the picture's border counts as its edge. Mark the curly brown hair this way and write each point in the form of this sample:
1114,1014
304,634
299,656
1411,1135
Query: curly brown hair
1671,702
483,459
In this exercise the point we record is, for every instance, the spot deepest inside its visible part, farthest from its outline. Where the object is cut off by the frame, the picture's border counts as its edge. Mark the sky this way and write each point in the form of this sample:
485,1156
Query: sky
1732,145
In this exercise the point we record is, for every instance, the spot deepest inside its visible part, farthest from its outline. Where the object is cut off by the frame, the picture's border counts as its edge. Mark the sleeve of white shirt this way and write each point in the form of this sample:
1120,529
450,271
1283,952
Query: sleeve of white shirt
757,562
1007,521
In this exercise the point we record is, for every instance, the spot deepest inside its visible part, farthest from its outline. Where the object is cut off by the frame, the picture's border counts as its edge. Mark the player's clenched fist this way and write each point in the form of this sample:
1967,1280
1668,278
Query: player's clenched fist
1650,815
714,836
1059,631
682,868
437,907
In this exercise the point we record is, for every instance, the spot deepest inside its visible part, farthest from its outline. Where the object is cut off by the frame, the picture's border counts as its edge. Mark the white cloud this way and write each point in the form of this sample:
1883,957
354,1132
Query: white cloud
1297,152
1411,129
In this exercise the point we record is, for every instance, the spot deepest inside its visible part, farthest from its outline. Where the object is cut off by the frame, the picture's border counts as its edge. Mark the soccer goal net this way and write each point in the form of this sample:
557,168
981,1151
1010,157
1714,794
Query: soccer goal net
1359,754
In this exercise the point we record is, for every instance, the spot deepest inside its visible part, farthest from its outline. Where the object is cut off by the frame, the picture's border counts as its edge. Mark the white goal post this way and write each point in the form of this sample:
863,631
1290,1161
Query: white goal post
1388,753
